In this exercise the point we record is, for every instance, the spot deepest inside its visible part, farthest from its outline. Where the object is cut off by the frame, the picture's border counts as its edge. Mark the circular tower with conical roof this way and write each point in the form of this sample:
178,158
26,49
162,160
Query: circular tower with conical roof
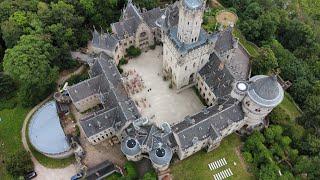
131,149
263,94
161,157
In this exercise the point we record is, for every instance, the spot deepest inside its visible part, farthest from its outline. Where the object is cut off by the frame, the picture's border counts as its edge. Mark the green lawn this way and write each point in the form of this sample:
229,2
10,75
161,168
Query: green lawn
10,136
196,166
290,107
49,162
10,139
250,47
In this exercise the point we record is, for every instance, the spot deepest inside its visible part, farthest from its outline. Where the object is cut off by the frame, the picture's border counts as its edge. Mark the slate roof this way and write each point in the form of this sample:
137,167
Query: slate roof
217,76
161,155
131,11
151,16
106,81
239,64
185,48
100,122
129,26
208,123
104,40
265,90
94,86
225,41
130,148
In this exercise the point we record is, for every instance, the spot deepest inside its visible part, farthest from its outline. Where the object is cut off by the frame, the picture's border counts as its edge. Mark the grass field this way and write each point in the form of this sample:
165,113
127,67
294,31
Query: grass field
250,47
10,139
196,166
290,107
10,136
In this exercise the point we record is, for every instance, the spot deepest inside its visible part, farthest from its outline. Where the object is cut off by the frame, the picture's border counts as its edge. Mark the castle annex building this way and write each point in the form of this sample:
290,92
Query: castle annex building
215,63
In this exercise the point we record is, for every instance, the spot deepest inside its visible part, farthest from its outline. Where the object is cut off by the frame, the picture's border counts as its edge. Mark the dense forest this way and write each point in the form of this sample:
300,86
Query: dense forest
38,35
288,34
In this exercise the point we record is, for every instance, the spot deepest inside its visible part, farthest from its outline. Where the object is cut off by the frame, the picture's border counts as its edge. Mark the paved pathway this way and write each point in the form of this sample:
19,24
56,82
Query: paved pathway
43,172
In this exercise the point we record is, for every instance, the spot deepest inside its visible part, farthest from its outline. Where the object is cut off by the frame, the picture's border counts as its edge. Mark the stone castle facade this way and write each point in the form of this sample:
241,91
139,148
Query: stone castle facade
215,63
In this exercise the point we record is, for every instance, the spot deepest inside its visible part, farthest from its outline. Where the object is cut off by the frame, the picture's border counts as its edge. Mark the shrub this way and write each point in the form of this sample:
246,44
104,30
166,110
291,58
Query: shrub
120,69
77,132
19,164
123,61
153,46
78,78
279,116
151,175
133,51
131,170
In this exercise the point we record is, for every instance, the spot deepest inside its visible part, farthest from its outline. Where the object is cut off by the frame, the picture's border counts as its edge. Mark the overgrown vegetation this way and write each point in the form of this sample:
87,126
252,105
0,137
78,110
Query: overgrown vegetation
19,164
288,35
10,137
133,51
78,78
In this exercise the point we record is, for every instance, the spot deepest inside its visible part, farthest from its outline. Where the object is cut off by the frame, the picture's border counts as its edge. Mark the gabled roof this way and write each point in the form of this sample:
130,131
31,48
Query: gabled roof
212,119
104,41
225,41
217,76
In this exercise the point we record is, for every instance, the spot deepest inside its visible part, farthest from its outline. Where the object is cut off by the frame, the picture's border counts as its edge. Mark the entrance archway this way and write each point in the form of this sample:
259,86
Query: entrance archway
191,78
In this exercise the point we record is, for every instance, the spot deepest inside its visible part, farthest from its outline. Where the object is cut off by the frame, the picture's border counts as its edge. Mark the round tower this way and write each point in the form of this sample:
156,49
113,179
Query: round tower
131,148
190,20
161,157
264,93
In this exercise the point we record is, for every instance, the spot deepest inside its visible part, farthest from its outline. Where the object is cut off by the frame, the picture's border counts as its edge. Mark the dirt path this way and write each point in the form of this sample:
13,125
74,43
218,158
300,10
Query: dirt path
43,172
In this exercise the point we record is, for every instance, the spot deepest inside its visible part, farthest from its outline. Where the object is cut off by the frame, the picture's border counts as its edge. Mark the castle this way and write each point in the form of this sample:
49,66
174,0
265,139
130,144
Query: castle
216,64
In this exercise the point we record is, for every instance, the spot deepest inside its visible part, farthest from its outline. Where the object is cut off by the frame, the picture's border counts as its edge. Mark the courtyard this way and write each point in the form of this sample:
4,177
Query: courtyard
152,94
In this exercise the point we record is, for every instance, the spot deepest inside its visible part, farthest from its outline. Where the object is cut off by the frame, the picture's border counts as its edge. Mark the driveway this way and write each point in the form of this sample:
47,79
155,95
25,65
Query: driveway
45,173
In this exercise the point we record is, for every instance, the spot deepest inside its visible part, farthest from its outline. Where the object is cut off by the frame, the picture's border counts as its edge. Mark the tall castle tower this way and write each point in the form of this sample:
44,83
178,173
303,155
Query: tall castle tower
264,93
190,20
186,47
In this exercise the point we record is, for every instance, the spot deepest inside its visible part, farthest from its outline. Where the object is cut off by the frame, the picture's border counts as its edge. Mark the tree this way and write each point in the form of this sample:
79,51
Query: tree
265,62
133,51
269,171
294,34
7,86
19,23
29,63
19,163
151,175
131,170
253,11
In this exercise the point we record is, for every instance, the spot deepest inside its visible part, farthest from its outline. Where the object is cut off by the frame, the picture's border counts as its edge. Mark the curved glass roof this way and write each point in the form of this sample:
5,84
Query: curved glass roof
45,131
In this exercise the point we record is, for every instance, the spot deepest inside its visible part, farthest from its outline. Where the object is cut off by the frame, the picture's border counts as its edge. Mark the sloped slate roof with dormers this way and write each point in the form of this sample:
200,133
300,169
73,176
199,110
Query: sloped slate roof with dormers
211,120
106,81
217,76
225,41
104,40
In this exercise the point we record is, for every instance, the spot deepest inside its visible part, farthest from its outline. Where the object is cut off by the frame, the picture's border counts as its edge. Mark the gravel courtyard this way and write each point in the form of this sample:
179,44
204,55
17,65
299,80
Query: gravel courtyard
155,99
